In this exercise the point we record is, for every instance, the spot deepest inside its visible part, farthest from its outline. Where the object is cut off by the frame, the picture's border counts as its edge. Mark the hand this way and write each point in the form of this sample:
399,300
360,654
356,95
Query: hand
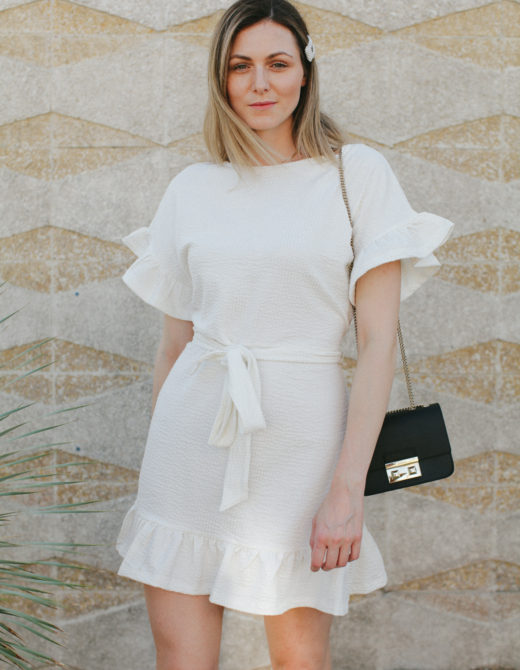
337,529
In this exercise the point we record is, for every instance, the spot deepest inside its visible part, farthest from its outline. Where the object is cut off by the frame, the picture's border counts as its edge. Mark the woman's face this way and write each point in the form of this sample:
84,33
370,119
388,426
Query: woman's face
265,76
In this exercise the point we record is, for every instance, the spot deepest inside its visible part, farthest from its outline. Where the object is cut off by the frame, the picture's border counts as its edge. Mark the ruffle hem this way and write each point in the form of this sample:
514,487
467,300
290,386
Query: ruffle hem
413,242
152,282
248,579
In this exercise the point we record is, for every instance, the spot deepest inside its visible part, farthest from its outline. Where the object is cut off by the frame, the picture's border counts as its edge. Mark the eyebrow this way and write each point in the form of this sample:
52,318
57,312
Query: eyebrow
270,55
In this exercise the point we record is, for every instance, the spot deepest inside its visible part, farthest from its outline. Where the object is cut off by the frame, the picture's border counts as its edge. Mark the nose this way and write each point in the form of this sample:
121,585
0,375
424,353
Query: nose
260,80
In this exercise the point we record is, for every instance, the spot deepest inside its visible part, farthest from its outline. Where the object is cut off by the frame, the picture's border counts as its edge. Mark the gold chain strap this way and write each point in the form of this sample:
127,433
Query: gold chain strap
399,333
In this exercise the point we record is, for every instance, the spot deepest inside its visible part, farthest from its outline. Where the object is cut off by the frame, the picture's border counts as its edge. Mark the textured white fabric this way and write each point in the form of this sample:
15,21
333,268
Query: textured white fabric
260,265
240,411
386,228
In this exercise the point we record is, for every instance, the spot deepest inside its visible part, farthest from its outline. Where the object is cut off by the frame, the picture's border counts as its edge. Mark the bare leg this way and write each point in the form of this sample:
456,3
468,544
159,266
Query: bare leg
299,639
186,629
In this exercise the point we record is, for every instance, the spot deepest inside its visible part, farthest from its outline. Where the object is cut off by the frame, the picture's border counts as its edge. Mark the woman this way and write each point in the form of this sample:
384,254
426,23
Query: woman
252,482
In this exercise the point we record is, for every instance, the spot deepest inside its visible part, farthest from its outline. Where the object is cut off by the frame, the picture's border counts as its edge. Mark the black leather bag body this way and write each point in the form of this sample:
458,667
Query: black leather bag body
413,448
413,445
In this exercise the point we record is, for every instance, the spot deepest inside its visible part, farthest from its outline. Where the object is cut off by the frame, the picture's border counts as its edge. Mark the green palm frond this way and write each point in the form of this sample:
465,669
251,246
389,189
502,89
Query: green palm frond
28,587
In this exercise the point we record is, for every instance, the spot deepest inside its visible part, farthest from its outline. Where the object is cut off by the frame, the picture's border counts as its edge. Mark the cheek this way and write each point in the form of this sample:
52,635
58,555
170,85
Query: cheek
298,83
234,91
292,87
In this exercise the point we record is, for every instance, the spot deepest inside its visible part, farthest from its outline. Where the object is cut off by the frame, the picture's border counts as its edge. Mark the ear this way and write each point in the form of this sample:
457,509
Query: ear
304,80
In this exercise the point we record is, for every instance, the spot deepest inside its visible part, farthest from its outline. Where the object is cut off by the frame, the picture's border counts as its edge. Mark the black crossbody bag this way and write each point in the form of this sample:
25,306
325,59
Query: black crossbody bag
413,445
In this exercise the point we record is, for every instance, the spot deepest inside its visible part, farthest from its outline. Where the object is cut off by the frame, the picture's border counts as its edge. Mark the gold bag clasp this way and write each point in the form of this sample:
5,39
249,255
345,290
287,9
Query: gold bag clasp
407,468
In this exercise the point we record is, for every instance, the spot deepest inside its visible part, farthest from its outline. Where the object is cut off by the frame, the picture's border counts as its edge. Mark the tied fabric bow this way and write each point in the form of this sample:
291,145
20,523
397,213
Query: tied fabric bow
240,413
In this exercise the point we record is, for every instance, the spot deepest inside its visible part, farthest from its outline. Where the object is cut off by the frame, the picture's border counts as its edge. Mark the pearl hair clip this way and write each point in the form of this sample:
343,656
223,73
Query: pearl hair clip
310,50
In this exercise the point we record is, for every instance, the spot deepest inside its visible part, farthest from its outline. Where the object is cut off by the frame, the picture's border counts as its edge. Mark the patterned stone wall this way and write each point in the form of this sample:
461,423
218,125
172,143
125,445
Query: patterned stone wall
102,105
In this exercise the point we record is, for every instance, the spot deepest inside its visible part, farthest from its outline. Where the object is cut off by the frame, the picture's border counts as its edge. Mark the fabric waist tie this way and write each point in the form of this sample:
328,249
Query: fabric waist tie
240,412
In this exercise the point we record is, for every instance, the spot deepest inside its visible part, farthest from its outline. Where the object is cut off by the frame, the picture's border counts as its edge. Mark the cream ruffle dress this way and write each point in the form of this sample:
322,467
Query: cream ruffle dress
250,420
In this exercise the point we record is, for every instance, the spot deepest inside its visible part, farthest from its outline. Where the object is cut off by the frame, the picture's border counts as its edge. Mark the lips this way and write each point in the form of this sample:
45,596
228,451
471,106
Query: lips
262,104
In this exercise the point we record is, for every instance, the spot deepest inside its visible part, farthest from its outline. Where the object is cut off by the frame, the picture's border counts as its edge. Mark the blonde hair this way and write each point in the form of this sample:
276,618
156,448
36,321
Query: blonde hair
227,136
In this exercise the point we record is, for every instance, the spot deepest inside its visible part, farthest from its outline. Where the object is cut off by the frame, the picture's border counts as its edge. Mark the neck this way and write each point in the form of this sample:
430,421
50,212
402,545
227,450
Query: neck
280,140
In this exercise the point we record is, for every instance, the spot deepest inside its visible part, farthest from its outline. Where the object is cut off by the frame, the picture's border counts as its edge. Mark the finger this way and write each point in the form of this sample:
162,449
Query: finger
344,553
332,558
355,550
318,556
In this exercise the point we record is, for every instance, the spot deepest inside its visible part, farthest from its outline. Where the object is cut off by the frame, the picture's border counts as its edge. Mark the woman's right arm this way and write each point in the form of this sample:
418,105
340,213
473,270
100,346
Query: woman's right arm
175,336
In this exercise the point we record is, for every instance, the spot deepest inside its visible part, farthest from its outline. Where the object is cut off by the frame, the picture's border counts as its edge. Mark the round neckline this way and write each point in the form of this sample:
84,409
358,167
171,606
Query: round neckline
274,165
277,166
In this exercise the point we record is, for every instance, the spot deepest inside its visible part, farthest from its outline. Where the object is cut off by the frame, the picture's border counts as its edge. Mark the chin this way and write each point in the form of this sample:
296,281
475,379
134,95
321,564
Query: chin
262,124
257,127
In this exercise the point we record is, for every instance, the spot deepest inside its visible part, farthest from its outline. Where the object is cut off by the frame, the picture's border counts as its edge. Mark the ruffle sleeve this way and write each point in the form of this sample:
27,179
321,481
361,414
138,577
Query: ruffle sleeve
387,228
157,276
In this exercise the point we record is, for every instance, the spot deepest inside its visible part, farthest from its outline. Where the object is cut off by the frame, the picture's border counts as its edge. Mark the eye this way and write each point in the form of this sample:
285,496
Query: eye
241,67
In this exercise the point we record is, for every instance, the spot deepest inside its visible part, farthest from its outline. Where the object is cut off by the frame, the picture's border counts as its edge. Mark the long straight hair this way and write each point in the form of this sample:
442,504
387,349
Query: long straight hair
227,136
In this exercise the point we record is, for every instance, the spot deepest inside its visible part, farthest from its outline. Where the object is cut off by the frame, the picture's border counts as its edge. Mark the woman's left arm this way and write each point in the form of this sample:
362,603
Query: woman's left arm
337,525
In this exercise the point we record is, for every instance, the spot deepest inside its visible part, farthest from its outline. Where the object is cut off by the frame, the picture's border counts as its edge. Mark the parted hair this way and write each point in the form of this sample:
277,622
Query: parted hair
227,136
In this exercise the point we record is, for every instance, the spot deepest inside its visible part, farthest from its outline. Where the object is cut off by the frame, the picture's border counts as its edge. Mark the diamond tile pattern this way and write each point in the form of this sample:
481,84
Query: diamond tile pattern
65,259
486,482
89,479
488,35
53,146
52,33
493,588
471,372
484,148
77,371
488,261
100,589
